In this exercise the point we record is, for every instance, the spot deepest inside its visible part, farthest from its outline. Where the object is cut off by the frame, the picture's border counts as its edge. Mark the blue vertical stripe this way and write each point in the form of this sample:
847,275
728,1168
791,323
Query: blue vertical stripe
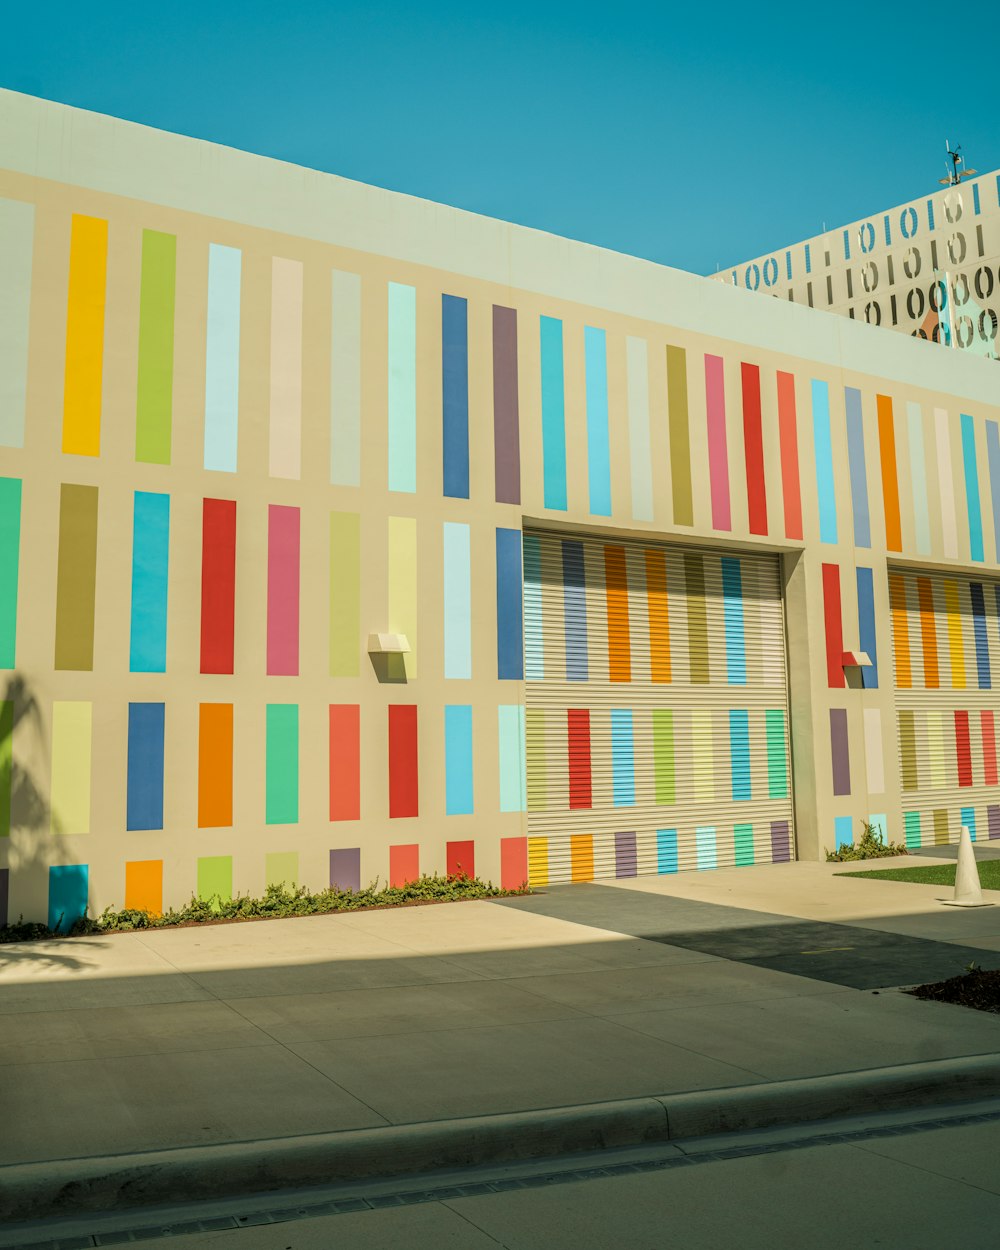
972,488
993,461
455,395
979,633
918,476
534,639
402,387
68,886
622,757
553,414
458,760
666,850
598,451
867,637
575,610
150,561
808,259
732,597
222,358
739,753
930,214
843,831
847,245
888,230
969,818
457,601
144,791
513,778
859,474
975,198
510,654
823,451
705,842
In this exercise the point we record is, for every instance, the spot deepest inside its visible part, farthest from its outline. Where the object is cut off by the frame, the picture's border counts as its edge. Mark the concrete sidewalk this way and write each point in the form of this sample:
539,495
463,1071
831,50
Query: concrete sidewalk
234,1033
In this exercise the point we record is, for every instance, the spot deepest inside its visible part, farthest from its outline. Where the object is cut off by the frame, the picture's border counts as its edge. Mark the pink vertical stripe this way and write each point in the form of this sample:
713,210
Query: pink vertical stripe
718,450
282,591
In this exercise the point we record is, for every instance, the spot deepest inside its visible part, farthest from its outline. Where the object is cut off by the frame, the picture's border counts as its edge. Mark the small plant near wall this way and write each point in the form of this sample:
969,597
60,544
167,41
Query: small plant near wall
871,846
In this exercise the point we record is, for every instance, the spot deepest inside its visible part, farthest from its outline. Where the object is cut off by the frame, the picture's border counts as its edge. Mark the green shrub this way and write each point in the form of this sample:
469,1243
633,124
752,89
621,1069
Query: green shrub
871,846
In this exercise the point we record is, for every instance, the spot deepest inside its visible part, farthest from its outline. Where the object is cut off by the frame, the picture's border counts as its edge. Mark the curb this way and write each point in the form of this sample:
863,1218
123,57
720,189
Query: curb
65,1187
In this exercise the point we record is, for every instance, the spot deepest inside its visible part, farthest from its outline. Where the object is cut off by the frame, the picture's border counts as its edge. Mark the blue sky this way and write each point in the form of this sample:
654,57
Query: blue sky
694,138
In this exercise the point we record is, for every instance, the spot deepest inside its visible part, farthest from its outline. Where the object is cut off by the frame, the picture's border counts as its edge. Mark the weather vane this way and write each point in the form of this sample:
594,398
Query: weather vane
955,174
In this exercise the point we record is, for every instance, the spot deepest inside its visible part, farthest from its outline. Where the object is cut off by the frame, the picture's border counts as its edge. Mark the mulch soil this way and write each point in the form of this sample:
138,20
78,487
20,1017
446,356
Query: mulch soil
980,990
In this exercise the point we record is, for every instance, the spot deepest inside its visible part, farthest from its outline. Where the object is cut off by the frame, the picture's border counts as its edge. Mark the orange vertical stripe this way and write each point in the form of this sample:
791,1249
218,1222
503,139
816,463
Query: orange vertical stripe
659,616
900,631
144,886
928,633
890,483
215,765
582,856
88,262
616,590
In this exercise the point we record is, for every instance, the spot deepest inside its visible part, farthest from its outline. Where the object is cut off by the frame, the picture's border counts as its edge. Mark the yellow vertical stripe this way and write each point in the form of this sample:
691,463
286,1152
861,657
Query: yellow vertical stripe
582,856
534,742
403,585
935,750
538,861
956,646
702,761
900,632
71,741
88,263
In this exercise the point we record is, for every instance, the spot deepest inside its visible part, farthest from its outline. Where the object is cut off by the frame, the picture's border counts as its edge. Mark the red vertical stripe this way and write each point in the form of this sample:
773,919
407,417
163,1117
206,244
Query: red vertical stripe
282,591
461,859
834,627
513,863
578,741
753,449
345,761
963,748
218,584
788,439
403,759
404,864
989,747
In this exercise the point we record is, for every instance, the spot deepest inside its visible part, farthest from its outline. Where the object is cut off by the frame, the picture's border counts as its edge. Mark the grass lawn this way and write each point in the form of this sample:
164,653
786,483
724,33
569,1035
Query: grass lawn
934,874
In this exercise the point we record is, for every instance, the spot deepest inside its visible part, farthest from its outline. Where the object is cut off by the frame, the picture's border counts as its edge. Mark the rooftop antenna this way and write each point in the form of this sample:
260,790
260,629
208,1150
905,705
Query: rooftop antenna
955,174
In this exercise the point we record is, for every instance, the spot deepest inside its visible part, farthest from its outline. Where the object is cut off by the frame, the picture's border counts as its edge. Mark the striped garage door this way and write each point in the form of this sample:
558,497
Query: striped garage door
657,717
946,649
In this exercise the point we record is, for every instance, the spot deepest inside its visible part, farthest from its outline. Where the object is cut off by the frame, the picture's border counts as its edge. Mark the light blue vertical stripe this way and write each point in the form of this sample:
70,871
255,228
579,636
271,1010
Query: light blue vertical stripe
823,451
575,610
150,563
918,476
859,473
705,841
622,757
969,818
458,760
222,358
881,826
345,379
666,850
972,504
739,754
598,451
17,230
993,461
457,601
553,414
402,384
732,597
513,783
534,646
843,831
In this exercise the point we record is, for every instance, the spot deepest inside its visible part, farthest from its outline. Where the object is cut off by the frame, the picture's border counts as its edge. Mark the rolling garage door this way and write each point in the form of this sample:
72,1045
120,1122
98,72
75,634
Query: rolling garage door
946,656
657,717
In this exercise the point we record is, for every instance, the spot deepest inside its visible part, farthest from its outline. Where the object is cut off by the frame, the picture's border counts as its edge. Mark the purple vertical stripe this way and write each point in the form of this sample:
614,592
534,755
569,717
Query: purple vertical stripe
718,448
781,842
506,421
345,868
840,756
993,820
5,888
626,862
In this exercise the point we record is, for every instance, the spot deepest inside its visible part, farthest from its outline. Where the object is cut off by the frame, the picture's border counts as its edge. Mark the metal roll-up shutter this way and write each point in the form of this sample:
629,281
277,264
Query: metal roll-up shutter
946,658
657,709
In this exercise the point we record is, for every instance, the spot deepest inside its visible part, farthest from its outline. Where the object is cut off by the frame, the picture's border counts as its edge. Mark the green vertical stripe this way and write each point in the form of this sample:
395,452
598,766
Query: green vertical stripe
777,754
694,580
282,764
663,754
680,437
10,548
908,751
155,386
215,878
345,594
912,825
743,838
6,763
77,571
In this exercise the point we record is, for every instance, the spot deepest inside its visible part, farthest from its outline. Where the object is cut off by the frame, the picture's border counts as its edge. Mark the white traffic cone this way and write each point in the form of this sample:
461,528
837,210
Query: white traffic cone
968,891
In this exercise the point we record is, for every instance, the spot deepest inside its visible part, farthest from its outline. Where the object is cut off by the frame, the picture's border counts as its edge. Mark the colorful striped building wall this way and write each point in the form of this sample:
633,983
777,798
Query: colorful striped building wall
230,452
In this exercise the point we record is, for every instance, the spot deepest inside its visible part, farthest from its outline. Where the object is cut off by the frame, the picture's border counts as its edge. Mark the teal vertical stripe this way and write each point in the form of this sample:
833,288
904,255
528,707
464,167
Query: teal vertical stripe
598,450
706,848
972,503
666,850
10,557
222,358
622,757
739,754
743,842
823,452
150,563
993,460
458,760
457,601
918,477
68,890
969,818
534,646
777,755
911,824
553,414
402,387
732,597
282,766
17,231
510,730
843,831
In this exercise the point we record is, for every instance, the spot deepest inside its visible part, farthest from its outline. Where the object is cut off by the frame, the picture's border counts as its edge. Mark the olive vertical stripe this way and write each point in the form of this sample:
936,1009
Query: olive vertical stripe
908,750
75,581
694,581
680,435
